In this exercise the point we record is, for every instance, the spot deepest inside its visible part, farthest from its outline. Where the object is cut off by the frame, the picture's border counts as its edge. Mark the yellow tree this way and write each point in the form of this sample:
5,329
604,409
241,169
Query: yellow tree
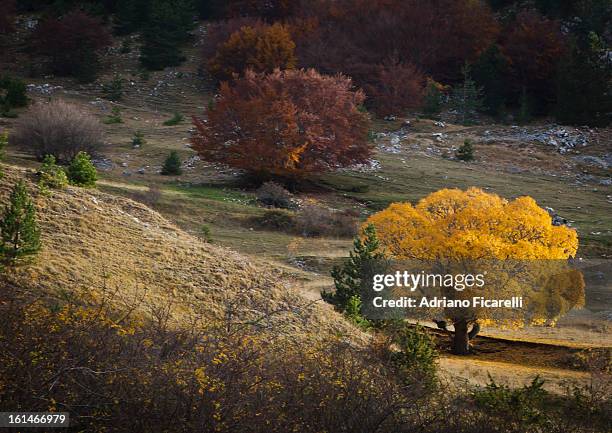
513,242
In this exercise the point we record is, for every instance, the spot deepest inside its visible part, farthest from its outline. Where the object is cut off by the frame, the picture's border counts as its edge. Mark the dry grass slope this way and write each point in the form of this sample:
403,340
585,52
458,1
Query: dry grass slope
92,240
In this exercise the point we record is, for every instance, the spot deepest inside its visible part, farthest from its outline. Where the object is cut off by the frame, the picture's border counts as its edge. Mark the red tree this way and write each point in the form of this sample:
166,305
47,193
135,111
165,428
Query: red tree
7,16
438,36
393,88
534,45
72,43
288,124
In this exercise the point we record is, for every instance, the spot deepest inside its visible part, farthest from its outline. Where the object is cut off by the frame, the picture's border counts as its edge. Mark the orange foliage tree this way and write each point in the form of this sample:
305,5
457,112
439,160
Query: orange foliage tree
534,45
453,231
287,124
261,48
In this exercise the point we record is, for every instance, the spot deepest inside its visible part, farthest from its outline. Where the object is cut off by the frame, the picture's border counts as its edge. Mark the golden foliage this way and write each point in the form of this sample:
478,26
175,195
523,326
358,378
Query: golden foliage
472,224
261,48
472,232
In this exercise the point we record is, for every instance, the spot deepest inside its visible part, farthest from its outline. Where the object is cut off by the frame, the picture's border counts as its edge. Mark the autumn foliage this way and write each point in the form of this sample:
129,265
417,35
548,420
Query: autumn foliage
534,45
514,241
472,224
288,123
437,36
71,43
392,88
261,48
381,43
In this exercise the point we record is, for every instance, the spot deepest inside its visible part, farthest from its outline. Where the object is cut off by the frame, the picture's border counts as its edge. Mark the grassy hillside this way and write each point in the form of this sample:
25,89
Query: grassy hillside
95,242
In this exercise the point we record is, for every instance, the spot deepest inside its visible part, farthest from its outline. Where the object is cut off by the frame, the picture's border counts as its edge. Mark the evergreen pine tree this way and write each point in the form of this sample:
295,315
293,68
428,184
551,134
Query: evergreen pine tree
172,165
19,232
466,151
138,140
86,64
584,93
113,90
432,104
81,171
349,279
490,72
3,143
168,27
466,98
51,175
15,92
524,114
131,15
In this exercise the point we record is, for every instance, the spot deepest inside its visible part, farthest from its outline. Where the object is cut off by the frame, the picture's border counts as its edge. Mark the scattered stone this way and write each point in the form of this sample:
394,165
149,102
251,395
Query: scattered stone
43,89
191,162
557,220
593,160
563,139
103,164
438,136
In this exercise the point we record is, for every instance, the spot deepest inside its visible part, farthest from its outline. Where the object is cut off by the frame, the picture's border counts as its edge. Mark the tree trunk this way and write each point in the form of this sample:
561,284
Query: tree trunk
461,341
474,331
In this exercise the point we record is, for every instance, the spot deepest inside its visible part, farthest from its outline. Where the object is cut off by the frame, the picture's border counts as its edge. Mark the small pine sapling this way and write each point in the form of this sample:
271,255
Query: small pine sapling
113,91
349,279
114,117
172,165
138,140
82,172
465,151
467,99
176,119
3,144
432,102
19,232
51,175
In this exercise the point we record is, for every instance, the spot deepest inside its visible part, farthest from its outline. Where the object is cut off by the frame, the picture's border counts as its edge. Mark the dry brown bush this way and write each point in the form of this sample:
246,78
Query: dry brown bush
314,220
59,129
115,369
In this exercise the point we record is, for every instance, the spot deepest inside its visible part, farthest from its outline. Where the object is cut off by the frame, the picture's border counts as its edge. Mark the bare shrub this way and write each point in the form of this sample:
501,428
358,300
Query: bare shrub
273,194
59,129
314,220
